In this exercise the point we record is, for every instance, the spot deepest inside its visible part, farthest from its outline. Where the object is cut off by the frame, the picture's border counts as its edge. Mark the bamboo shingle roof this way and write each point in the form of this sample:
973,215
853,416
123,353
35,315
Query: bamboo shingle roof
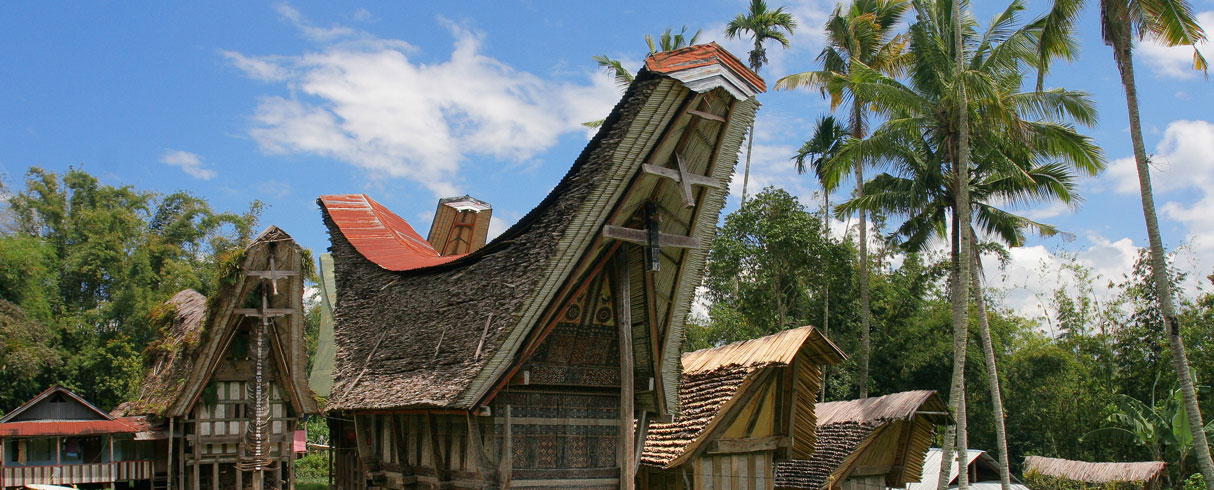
845,428
1094,472
716,377
447,332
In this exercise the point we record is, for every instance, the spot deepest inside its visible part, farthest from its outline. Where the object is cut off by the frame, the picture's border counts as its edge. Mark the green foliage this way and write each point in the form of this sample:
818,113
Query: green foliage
1195,482
761,267
89,263
1038,481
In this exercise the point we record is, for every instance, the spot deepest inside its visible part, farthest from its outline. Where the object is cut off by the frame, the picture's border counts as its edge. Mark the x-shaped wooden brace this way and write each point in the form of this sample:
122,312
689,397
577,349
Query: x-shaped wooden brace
683,178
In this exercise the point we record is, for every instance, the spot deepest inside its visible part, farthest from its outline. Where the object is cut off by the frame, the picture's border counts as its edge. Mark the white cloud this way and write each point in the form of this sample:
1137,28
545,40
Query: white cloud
320,34
189,163
1176,61
367,103
258,68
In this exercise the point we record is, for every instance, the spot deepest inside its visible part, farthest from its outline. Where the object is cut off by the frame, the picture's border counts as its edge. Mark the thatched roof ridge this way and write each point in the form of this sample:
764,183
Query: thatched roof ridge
880,409
489,301
779,348
1094,472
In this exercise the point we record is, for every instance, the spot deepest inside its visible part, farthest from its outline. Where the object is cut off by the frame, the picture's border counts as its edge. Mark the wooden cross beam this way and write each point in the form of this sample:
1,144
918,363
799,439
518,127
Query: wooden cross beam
650,237
265,312
682,177
272,275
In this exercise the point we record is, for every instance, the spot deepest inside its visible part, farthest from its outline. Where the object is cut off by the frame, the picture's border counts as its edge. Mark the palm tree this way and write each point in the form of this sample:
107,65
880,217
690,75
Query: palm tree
827,137
667,41
1170,22
927,139
862,34
763,25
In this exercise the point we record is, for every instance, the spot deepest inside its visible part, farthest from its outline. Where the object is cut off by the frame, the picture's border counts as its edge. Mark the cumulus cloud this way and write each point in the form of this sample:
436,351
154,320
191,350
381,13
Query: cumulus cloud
366,102
1176,61
189,163
311,31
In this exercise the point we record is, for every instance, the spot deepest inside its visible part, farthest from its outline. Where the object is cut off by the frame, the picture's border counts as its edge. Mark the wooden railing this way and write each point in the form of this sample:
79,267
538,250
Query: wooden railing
16,476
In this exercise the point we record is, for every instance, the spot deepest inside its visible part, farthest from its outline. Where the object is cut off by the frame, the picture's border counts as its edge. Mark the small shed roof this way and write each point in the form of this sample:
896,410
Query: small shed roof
1094,472
16,413
713,378
845,426
931,468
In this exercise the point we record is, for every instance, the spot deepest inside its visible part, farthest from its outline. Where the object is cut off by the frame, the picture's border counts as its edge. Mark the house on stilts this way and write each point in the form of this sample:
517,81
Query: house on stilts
744,406
59,438
868,444
226,384
540,359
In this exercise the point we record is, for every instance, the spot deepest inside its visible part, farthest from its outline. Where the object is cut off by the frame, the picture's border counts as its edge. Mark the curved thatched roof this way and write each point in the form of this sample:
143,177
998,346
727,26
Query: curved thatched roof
427,332
1094,472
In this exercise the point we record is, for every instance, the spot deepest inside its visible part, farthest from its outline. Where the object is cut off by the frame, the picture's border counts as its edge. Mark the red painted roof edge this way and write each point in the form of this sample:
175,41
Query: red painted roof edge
403,250
702,55
123,425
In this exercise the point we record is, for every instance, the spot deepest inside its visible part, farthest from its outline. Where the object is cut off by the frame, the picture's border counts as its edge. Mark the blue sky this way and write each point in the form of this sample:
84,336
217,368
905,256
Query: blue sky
410,101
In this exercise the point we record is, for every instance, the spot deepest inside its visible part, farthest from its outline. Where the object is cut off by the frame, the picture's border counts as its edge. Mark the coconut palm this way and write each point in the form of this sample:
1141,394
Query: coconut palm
1170,22
667,41
957,76
863,33
763,25
827,137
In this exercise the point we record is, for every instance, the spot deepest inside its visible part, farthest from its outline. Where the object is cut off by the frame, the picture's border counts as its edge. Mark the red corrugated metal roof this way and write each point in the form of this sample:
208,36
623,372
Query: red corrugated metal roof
701,55
123,425
380,235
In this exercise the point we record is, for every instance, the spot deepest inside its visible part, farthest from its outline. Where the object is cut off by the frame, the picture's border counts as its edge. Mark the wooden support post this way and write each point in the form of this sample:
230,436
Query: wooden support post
623,299
1,459
506,461
215,473
181,459
195,466
236,469
113,467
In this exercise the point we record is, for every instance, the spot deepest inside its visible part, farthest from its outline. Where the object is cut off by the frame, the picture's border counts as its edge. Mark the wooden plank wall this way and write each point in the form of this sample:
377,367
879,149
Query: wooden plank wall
748,471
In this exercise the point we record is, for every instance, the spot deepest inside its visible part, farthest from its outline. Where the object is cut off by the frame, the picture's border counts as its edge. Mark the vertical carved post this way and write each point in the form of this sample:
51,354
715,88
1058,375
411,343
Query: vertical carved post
623,300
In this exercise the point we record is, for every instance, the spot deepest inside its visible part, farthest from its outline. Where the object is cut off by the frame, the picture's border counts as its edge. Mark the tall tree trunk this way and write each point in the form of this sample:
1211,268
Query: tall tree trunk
961,213
825,291
1122,44
857,131
992,372
750,142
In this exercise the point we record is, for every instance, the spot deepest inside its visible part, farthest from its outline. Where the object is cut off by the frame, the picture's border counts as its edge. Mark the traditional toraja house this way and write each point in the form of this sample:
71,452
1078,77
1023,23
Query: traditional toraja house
227,381
744,406
535,361
868,444
58,438
1039,471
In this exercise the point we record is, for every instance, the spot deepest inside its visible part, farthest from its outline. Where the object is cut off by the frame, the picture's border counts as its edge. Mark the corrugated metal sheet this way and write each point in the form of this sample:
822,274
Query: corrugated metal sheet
124,425
931,468
702,55
380,235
